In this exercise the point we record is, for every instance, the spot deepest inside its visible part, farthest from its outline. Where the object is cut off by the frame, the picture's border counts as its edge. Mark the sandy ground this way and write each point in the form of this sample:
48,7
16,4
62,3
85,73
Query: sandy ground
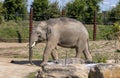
9,45
19,70
21,67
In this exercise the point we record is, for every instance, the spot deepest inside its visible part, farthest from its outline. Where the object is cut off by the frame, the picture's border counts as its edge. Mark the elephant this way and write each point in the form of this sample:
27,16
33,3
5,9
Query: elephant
65,32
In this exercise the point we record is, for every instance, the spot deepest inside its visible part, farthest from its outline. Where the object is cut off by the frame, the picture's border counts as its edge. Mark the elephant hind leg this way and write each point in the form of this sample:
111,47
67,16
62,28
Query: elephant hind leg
78,52
79,49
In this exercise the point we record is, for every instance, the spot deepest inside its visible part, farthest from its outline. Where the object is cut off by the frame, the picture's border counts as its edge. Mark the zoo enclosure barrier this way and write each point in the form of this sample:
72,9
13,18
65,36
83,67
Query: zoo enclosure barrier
20,29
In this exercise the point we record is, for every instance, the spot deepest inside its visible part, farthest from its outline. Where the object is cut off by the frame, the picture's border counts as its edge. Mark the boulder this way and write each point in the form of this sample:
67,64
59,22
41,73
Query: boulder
77,70
67,71
105,71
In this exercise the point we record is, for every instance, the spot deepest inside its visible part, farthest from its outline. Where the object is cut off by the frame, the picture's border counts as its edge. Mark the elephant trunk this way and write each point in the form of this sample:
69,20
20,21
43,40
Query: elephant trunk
32,43
30,55
30,51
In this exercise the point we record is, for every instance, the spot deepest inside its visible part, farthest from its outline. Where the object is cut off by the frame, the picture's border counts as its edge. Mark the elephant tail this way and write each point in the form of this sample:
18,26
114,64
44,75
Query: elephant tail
88,45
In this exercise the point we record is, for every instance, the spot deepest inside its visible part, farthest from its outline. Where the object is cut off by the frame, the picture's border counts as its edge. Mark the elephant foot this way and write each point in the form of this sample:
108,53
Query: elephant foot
89,62
31,63
43,64
56,61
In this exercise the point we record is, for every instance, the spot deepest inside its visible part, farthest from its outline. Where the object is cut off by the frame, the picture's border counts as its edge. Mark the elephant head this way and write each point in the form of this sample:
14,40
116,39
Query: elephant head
39,35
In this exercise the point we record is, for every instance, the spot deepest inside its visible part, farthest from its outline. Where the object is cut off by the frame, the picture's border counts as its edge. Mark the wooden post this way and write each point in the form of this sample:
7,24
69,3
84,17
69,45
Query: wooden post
63,13
30,31
94,27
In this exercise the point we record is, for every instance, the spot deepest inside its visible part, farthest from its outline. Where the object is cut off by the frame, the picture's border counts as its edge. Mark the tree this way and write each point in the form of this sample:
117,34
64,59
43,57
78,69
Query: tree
39,9
115,13
53,11
76,9
83,10
15,9
1,11
92,6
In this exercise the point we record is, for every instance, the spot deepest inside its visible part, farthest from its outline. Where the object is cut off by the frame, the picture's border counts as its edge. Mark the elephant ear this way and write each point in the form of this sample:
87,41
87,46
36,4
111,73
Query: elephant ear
49,28
48,32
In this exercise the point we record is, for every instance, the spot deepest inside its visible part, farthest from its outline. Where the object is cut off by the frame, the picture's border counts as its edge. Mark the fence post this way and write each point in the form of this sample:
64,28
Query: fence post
94,27
63,12
30,31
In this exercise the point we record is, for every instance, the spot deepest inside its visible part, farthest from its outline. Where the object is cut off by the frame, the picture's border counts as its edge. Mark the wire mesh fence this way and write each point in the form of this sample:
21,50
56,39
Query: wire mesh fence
18,30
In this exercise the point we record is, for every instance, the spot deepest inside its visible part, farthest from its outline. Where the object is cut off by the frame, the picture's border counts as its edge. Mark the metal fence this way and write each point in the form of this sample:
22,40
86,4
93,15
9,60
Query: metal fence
18,30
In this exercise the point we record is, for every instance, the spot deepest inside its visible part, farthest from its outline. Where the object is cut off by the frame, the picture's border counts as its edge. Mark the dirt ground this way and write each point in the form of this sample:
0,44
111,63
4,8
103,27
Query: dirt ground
11,70
18,54
20,69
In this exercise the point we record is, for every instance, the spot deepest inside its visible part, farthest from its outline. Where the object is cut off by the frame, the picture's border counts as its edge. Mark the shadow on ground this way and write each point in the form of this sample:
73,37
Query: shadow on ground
23,62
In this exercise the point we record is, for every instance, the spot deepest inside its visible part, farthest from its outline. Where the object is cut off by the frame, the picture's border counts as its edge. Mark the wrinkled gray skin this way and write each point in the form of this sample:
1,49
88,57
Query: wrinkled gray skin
65,32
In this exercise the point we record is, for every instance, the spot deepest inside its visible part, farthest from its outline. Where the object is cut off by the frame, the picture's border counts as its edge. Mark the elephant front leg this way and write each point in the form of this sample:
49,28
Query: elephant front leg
54,55
47,52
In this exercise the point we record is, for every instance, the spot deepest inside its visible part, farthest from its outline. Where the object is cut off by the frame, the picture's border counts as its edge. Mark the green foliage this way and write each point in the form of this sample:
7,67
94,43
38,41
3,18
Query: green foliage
115,13
44,10
40,9
110,32
116,29
116,26
53,11
31,75
92,5
15,9
76,9
1,11
83,10
104,32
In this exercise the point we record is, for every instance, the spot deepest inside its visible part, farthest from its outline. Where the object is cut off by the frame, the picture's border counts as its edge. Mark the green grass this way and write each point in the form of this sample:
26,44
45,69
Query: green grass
31,75
37,54
10,31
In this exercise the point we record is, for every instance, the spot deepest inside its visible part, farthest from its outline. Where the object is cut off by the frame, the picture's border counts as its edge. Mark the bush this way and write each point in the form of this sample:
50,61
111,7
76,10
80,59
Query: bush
104,32
1,19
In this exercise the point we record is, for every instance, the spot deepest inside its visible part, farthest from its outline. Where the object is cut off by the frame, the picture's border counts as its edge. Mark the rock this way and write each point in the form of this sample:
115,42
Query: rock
66,71
105,71
74,69
71,61
110,61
